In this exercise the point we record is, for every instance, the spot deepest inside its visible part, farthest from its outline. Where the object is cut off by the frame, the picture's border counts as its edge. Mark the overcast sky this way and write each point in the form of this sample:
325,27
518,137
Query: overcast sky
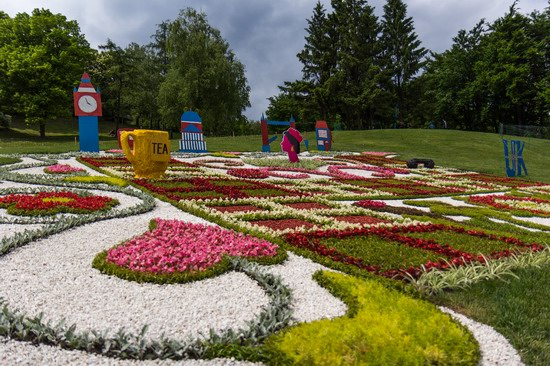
265,35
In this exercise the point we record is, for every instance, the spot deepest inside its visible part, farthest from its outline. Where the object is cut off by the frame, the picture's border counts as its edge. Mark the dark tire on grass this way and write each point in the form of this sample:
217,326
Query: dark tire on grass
412,164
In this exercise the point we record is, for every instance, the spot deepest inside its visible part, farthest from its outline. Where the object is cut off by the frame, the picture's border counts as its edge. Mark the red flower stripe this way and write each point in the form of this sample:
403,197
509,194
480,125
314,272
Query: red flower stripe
311,241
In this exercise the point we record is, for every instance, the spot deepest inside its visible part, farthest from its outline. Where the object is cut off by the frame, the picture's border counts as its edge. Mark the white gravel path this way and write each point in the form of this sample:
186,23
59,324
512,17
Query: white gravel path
495,349
536,220
498,221
25,354
311,301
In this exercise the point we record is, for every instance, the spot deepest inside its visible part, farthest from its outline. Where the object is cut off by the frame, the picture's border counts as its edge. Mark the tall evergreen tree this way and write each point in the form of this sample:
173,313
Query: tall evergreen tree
358,72
112,73
319,59
402,54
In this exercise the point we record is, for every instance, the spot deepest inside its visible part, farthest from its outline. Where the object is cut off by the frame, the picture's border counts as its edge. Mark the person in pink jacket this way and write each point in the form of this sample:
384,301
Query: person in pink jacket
291,144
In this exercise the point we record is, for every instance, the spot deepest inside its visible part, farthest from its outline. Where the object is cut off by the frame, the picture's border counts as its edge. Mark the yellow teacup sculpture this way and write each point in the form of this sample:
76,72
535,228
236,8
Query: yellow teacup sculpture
150,154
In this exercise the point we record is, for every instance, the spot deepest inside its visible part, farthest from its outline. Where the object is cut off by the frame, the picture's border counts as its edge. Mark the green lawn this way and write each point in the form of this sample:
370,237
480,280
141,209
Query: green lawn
518,310
481,152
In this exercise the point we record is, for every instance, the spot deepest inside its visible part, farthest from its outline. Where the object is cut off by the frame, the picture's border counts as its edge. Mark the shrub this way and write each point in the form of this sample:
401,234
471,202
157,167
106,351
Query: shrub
5,120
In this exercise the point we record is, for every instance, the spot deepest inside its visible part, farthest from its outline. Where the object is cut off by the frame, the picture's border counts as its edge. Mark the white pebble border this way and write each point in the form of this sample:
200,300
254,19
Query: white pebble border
311,301
498,221
495,349
54,276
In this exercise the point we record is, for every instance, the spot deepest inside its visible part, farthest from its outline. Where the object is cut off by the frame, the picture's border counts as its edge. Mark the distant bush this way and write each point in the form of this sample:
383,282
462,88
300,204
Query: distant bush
5,120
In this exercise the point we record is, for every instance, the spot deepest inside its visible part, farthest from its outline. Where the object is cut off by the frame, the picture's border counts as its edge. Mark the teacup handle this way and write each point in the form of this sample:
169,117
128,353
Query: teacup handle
126,146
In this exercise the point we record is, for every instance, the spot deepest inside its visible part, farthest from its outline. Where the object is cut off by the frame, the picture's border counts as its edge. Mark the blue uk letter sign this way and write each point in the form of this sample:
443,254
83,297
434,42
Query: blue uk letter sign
513,157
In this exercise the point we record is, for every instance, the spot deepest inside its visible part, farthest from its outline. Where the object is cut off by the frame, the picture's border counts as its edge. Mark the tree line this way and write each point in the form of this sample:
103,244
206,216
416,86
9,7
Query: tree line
187,66
368,73
357,70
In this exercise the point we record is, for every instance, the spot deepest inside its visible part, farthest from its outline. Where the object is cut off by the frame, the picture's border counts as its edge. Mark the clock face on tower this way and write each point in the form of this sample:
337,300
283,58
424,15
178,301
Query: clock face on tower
87,103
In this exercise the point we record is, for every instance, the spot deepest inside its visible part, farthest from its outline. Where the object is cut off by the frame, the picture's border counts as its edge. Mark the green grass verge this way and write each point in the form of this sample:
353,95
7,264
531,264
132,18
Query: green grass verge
382,327
5,160
517,309
481,152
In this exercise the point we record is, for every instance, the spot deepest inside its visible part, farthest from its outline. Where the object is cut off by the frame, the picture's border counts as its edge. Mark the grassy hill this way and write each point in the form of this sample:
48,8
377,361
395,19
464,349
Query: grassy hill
482,152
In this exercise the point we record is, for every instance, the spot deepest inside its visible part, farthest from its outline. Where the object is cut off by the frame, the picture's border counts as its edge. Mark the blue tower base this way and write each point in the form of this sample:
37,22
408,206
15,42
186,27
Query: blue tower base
88,132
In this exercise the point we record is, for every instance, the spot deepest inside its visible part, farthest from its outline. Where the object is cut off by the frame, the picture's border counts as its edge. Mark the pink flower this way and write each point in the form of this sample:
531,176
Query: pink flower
62,169
177,246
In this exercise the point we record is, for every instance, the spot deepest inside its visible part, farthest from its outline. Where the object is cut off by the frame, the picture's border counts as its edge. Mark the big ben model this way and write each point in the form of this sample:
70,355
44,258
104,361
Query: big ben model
87,107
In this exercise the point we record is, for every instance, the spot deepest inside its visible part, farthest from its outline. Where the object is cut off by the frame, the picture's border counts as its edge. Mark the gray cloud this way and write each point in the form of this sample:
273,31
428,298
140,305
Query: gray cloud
265,35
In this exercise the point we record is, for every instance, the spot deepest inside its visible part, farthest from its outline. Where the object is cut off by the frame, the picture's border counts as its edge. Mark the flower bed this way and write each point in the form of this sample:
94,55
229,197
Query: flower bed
177,189
521,205
250,173
177,246
51,203
317,227
307,206
62,169
283,224
357,219
365,248
236,208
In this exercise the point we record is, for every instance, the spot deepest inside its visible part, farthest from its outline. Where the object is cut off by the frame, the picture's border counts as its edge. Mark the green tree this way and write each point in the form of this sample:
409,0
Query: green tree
145,76
42,56
358,77
294,100
452,78
203,75
319,58
512,66
112,72
402,54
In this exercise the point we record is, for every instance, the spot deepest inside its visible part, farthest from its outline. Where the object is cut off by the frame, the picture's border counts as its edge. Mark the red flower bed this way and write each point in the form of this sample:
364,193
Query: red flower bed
240,208
490,200
51,203
282,224
370,204
210,163
367,220
307,206
311,241
503,181
203,188
400,188
372,159
250,173
177,246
